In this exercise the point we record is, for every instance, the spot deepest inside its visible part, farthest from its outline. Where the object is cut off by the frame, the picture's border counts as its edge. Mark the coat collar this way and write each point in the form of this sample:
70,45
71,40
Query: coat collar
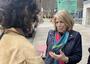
13,30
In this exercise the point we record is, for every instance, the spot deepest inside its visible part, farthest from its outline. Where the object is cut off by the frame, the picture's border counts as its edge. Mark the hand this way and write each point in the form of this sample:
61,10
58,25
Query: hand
61,56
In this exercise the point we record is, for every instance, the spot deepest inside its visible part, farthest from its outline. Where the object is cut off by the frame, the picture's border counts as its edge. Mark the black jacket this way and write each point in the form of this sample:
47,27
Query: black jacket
88,57
73,49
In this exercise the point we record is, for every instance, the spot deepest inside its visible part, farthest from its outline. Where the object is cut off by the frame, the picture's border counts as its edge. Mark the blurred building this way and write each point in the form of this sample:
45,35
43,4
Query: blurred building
86,13
80,8
75,7
80,4
48,6
70,5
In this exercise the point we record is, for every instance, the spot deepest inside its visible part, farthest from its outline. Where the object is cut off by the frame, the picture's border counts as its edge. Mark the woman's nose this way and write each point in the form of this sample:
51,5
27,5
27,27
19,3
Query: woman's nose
59,23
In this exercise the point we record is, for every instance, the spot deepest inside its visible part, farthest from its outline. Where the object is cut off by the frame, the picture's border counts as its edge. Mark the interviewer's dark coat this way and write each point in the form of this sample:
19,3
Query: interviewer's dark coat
73,48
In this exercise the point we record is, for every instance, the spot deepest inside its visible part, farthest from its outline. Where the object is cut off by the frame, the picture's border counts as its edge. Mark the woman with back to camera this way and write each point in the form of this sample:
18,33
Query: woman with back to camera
14,46
64,45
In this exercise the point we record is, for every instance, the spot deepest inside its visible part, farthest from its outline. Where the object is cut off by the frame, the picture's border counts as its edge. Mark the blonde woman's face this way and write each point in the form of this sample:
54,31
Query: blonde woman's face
60,25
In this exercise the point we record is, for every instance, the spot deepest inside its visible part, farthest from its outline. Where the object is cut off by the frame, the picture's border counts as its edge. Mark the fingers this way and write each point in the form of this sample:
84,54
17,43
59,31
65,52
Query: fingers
55,56
61,52
61,56
52,54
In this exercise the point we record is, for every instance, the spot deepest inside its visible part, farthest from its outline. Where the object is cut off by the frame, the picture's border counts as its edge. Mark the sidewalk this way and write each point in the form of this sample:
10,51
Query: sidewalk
41,35
42,31
85,32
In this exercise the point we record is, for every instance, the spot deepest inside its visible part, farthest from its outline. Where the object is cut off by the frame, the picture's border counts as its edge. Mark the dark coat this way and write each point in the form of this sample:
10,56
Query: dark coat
88,57
73,48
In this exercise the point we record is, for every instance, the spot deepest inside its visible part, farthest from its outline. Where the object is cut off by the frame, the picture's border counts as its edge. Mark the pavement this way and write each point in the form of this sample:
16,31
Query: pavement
85,32
41,36
42,32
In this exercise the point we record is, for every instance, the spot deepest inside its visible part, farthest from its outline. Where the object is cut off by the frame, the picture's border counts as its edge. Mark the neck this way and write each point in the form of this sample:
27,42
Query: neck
15,30
19,31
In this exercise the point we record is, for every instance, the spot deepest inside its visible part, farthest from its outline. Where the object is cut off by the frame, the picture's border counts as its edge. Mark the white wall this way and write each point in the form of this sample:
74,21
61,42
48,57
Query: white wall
86,13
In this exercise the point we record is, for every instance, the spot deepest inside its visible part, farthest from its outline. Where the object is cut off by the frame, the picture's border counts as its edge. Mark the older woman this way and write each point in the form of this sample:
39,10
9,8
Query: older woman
17,21
64,45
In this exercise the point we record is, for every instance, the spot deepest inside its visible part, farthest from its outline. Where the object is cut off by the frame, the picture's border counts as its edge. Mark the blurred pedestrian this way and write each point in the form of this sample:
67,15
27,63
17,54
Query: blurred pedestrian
14,46
64,45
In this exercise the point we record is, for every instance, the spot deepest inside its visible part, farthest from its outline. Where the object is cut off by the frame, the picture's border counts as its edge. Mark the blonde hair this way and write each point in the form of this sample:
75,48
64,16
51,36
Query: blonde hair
66,17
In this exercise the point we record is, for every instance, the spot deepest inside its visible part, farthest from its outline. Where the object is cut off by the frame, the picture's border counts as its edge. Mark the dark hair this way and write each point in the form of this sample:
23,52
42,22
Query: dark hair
20,14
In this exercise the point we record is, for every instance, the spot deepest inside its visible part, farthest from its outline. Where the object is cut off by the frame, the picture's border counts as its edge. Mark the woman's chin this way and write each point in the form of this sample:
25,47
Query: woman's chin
61,31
